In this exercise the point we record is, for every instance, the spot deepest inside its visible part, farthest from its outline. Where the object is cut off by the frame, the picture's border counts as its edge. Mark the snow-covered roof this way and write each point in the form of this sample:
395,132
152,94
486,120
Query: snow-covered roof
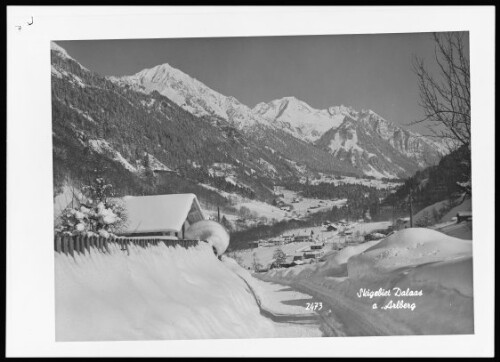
160,213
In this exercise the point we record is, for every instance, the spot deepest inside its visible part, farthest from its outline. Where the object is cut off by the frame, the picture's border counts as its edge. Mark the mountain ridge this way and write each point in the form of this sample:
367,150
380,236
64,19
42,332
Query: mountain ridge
316,140
297,118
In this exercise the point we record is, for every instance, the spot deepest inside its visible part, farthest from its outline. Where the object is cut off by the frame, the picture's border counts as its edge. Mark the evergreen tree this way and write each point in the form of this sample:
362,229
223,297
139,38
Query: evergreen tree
279,257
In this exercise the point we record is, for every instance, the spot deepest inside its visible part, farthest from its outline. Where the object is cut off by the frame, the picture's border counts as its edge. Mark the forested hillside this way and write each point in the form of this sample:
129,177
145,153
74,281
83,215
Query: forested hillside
447,180
132,135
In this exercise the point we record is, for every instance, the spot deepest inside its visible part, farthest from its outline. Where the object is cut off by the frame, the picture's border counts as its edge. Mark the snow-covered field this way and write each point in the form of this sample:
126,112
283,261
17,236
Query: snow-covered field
304,204
428,276
162,292
447,223
462,230
464,206
301,208
335,180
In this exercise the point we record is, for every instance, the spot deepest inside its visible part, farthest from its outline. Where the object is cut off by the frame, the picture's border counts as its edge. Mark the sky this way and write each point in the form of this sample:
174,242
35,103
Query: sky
363,71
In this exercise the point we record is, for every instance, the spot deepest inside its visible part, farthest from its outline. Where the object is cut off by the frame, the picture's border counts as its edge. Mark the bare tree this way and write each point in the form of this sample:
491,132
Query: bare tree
445,96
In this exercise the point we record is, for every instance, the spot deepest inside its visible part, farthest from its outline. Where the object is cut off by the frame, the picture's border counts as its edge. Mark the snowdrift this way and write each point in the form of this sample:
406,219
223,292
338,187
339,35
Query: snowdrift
418,259
151,293
407,248
210,231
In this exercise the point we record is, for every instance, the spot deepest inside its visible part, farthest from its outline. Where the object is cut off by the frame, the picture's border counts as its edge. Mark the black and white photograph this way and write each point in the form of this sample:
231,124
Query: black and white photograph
262,187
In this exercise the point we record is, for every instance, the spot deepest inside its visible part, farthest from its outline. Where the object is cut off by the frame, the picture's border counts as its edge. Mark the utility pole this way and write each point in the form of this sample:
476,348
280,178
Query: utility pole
394,212
411,208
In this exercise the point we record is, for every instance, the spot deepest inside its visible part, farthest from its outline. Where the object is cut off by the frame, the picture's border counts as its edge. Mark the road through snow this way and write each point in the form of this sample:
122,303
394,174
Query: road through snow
340,317
326,324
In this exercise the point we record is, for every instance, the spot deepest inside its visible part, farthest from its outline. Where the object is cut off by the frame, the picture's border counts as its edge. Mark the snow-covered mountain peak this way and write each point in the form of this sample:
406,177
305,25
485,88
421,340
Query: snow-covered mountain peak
345,110
299,118
191,94
62,52
292,101
163,73
308,123
281,104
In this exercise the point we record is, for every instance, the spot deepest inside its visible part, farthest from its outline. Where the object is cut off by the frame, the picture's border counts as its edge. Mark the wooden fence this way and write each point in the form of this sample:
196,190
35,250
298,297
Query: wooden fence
71,244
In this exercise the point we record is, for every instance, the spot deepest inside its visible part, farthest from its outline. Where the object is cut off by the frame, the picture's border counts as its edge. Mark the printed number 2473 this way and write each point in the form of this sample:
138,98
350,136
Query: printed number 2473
314,306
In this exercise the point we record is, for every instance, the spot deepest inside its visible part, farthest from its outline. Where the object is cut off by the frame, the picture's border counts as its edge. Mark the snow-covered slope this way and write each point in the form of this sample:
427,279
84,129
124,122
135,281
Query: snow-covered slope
466,205
190,94
154,293
408,248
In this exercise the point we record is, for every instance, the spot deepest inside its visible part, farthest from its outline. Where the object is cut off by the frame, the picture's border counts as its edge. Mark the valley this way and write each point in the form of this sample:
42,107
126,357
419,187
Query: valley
162,131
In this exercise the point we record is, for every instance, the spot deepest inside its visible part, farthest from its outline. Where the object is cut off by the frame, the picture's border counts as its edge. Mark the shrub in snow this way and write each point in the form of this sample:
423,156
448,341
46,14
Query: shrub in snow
96,215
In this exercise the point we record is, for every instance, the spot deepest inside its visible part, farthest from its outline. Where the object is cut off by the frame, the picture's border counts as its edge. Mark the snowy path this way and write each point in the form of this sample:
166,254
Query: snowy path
301,318
341,317
282,305
316,321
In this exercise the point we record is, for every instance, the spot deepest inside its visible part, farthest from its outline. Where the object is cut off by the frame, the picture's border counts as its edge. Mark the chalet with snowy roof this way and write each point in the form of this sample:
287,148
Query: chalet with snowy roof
160,215
464,216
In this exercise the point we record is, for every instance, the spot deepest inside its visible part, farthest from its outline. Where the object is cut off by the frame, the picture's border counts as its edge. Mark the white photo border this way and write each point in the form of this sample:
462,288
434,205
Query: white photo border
30,257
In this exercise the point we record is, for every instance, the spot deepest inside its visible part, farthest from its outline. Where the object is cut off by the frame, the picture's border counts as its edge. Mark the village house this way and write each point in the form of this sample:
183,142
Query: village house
316,254
301,238
286,208
160,215
331,228
464,216
277,242
253,244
